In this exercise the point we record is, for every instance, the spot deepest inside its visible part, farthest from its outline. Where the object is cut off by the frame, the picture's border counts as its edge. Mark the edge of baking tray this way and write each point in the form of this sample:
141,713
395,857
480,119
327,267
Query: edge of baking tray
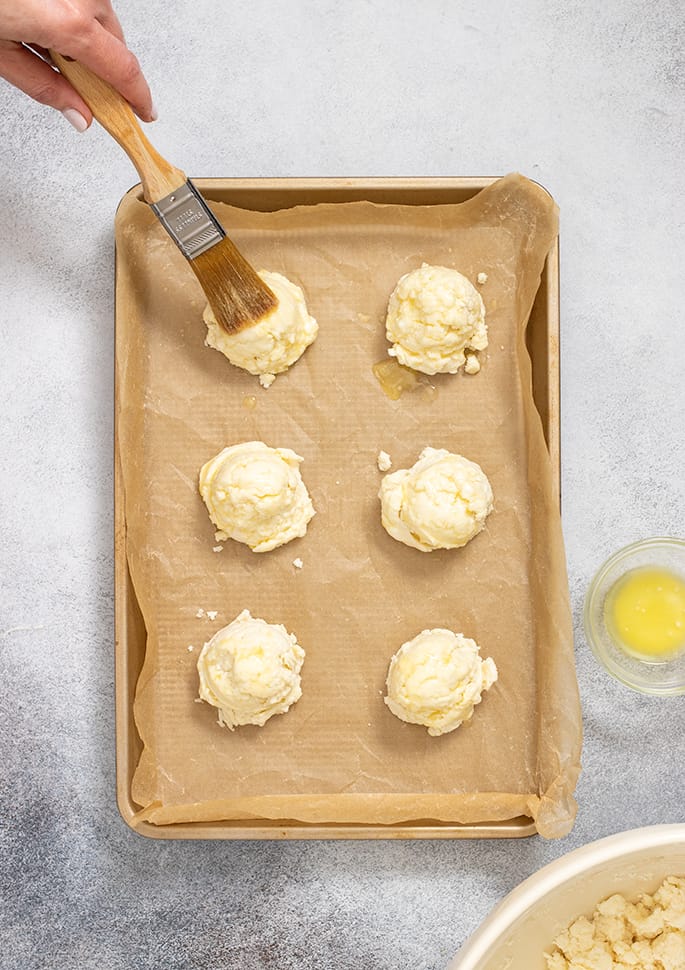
543,341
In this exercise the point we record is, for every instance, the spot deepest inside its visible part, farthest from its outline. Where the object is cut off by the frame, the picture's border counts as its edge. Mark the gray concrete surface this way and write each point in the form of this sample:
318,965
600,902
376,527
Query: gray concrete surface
588,99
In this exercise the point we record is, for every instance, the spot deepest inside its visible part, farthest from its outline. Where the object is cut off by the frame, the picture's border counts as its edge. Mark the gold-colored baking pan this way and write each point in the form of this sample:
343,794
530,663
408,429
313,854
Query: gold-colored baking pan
543,345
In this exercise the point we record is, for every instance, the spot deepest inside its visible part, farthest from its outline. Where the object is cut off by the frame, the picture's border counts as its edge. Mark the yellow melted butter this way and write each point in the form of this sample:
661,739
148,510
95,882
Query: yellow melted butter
394,378
645,613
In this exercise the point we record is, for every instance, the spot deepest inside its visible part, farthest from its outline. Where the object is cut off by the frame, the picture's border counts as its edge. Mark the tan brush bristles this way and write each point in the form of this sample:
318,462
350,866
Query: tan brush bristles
236,294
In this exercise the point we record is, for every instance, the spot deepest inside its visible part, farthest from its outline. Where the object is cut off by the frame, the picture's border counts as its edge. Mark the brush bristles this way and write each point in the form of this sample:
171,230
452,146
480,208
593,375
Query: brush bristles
237,295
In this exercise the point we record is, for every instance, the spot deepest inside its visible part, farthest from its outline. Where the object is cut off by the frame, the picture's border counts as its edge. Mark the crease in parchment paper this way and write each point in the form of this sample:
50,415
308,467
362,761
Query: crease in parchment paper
339,755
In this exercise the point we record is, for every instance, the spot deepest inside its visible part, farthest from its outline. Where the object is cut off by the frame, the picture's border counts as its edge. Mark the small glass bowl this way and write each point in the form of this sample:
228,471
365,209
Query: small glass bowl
650,677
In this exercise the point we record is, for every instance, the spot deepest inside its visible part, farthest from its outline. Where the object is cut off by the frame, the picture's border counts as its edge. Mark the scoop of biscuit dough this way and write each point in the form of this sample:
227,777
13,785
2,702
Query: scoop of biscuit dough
276,341
255,494
437,679
441,502
250,670
434,316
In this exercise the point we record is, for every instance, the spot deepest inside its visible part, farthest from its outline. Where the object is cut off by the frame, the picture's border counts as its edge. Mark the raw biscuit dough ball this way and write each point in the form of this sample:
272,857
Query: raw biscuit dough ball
437,679
250,670
255,494
434,316
441,502
276,341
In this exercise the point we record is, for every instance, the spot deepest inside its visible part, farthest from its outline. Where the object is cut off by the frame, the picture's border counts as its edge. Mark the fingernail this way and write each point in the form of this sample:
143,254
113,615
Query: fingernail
76,119
153,114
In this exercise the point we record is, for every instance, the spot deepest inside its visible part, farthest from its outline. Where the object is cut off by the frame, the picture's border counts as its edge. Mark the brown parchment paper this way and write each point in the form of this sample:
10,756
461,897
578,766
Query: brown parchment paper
339,754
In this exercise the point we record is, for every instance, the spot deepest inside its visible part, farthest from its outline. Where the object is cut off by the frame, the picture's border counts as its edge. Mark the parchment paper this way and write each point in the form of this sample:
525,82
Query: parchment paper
339,754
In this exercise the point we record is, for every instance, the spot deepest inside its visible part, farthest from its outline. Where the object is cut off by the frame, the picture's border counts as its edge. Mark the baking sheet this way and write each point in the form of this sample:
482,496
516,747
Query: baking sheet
339,754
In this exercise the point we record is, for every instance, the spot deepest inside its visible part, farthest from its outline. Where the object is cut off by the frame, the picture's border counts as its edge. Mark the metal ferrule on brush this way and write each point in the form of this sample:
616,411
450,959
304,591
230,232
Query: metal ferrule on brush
189,221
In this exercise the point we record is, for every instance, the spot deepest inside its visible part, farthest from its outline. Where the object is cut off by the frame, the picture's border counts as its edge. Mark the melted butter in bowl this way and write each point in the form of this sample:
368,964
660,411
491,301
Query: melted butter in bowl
645,613
635,615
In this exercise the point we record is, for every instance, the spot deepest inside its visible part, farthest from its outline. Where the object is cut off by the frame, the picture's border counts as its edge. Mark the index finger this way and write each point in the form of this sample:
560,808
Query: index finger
110,21
105,55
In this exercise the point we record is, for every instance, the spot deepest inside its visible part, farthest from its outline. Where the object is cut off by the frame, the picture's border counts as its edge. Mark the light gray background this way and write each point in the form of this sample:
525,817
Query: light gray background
586,98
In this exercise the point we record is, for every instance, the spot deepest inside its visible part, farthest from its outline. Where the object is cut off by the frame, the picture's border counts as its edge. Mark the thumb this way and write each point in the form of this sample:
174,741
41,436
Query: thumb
34,77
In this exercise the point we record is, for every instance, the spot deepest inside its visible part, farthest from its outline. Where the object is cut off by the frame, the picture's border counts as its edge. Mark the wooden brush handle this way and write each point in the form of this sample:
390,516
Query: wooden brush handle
158,177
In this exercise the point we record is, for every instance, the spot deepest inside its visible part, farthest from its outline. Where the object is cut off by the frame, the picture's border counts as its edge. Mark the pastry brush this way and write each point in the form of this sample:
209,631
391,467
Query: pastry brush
236,294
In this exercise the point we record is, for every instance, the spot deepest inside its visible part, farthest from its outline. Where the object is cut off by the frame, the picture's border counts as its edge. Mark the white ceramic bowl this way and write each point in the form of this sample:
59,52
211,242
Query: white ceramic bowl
519,930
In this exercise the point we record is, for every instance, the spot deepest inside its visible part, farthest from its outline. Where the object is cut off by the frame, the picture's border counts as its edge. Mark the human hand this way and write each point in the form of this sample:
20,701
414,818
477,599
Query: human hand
86,30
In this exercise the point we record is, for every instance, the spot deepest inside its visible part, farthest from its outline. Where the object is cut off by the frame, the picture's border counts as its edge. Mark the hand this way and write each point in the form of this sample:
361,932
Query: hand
88,31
